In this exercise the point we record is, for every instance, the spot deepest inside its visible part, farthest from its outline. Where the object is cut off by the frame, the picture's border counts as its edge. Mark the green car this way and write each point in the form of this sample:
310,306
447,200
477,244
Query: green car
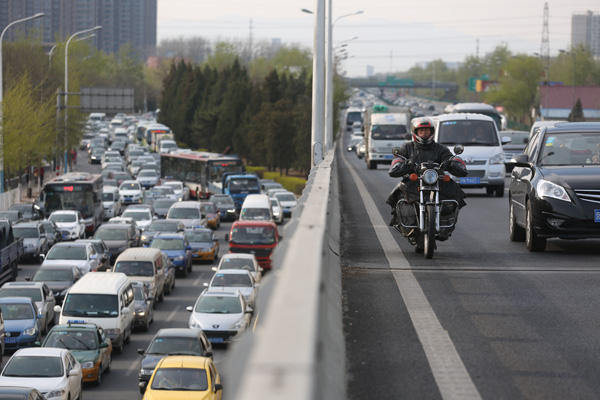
89,345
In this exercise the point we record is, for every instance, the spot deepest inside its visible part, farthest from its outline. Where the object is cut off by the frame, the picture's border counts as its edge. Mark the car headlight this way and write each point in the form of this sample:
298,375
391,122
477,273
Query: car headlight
146,371
140,312
87,365
545,188
239,324
497,159
30,332
56,393
231,210
429,177
116,331
144,238
194,324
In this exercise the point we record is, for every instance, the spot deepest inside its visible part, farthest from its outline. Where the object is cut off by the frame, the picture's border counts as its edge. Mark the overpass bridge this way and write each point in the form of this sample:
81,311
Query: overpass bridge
393,82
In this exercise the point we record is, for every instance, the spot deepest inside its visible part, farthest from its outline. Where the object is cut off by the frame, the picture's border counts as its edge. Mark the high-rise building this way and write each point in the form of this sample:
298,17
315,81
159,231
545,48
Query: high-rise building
122,21
585,30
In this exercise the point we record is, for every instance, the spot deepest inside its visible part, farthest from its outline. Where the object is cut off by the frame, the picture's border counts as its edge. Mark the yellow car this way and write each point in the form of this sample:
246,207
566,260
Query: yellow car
204,244
184,377
213,218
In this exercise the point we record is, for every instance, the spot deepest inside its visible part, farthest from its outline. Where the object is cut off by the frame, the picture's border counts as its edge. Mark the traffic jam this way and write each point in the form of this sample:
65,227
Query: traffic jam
95,260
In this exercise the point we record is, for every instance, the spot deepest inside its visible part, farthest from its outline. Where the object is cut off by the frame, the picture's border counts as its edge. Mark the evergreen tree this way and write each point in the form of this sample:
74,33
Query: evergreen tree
576,114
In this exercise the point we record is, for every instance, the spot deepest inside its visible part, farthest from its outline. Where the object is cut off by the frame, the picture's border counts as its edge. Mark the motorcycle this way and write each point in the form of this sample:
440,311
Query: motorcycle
428,211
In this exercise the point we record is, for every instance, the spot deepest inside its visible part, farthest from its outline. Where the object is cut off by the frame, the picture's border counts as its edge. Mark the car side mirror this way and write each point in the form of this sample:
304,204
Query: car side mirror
506,139
73,372
125,310
57,309
218,387
249,309
140,352
213,268
520,160
28,278
190,308
103,345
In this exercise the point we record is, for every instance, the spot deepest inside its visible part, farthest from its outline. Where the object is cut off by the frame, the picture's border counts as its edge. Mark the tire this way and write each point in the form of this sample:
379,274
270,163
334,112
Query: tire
371,165
161,297
146,327
499,191
118,349
532,240
429,236
98,380
515,232
190,266
167,290
127,340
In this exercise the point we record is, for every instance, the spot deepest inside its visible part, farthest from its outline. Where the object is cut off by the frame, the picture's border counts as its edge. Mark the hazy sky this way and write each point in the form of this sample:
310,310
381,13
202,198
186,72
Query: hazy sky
392,35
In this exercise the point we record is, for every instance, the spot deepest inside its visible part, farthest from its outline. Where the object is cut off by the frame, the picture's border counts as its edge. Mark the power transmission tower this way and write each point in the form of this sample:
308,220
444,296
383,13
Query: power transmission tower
545,55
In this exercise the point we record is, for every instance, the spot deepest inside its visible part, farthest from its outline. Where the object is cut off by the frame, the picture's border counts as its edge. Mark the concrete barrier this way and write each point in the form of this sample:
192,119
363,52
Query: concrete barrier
9,198
296,350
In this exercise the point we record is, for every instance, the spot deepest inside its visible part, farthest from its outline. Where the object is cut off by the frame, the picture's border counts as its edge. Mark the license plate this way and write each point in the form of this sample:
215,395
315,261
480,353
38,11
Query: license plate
215,340
596,215
469,181
389,157
10,340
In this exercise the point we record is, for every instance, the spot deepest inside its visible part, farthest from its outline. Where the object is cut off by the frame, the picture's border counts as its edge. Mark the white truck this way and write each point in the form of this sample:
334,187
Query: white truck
385,128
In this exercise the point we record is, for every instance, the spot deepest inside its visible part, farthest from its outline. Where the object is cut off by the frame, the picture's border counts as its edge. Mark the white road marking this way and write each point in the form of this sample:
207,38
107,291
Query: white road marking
451,376
173,313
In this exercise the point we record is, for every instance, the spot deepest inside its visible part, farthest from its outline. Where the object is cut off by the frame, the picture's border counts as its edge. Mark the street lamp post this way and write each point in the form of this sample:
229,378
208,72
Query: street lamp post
66,161
2,94
329,76
573,55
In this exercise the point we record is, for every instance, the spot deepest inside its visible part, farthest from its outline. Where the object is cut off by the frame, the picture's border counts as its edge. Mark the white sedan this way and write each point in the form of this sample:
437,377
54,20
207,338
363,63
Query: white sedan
232,280
244,261
142,216
70,223
52,371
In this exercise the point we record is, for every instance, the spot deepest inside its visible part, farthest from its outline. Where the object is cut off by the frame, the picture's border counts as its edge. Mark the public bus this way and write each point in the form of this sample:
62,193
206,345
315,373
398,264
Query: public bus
76,191
201,172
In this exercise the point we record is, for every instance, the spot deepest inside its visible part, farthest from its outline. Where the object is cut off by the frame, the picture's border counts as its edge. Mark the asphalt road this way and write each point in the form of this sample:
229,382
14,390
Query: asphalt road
483,319
122,381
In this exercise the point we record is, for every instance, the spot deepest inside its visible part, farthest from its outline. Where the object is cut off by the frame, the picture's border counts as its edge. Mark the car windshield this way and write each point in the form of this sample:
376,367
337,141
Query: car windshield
130,186
237,263
243,185
138,293
16,311
53,275
184,379
72,340
219,305
388,132
184,213
135,268
573,148
91,305
167,244
517,138
147,173
137,215
26,233
34,367
162,226
111,234
199,236
209,208
222,200
108,196
67,253
285,197
231,280
253,235
175,185
468,133
10,215
175,345
163,203
33,293
60,218
24,208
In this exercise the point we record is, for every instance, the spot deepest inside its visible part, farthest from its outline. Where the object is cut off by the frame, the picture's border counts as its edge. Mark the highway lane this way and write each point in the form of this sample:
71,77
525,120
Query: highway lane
523,325
122,381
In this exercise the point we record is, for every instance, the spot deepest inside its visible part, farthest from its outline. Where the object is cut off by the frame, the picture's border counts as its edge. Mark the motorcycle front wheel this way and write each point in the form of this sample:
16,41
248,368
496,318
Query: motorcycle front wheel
429,236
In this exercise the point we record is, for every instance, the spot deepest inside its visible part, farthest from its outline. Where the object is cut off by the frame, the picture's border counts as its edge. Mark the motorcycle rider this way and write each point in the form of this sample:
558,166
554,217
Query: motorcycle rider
422,148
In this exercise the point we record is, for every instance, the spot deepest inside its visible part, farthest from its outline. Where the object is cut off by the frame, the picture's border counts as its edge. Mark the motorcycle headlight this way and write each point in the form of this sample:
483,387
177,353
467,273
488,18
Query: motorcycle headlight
497,159
29,332
430,177
548,189
87,365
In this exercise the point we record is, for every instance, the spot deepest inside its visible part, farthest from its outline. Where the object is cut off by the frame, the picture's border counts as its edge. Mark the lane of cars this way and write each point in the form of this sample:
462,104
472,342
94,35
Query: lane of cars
75,287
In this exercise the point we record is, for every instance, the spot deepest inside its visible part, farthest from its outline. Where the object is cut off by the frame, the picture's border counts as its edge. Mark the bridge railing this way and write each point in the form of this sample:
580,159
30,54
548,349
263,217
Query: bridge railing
296,349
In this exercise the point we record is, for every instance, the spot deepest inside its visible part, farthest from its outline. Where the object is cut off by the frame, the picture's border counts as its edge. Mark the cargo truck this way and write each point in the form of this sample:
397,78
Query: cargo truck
385,127
254,237
11,250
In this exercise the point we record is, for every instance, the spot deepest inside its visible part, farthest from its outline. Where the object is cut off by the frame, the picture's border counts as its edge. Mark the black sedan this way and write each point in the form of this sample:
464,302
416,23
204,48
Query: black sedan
58,278
554,188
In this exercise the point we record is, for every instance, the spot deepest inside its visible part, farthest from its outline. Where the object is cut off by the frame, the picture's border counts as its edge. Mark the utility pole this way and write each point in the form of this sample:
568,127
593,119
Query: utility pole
545,55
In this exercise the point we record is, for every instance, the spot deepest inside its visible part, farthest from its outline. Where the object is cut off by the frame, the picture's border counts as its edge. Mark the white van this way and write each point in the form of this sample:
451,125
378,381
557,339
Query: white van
145,265
104,298
111,201
256,207
189,213
483,153
166,146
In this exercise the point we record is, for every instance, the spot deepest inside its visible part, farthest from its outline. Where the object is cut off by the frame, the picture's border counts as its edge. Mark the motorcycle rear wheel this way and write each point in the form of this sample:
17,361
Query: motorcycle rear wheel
429,236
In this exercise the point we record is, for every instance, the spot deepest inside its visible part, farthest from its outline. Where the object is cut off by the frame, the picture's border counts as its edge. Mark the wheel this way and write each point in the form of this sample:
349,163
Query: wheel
515,232
142,391
533,241
371,165
118,349
429,236
161,297
190,266
80,391
168,289
98,380
499,191
151,316
127,340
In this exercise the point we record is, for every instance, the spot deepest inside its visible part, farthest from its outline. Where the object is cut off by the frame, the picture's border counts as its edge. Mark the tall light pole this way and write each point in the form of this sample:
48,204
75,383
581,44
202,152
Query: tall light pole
2,95
329,76
574,55
67,90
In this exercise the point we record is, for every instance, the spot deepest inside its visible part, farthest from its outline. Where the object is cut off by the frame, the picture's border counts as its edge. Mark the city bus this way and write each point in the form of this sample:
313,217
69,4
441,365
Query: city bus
201,172
76,191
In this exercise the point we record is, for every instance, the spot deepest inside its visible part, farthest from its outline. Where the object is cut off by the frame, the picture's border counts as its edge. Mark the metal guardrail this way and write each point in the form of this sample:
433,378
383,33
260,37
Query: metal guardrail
297,350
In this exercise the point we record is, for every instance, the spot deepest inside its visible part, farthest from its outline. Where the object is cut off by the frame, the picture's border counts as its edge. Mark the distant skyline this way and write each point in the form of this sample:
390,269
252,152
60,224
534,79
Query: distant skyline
393,35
